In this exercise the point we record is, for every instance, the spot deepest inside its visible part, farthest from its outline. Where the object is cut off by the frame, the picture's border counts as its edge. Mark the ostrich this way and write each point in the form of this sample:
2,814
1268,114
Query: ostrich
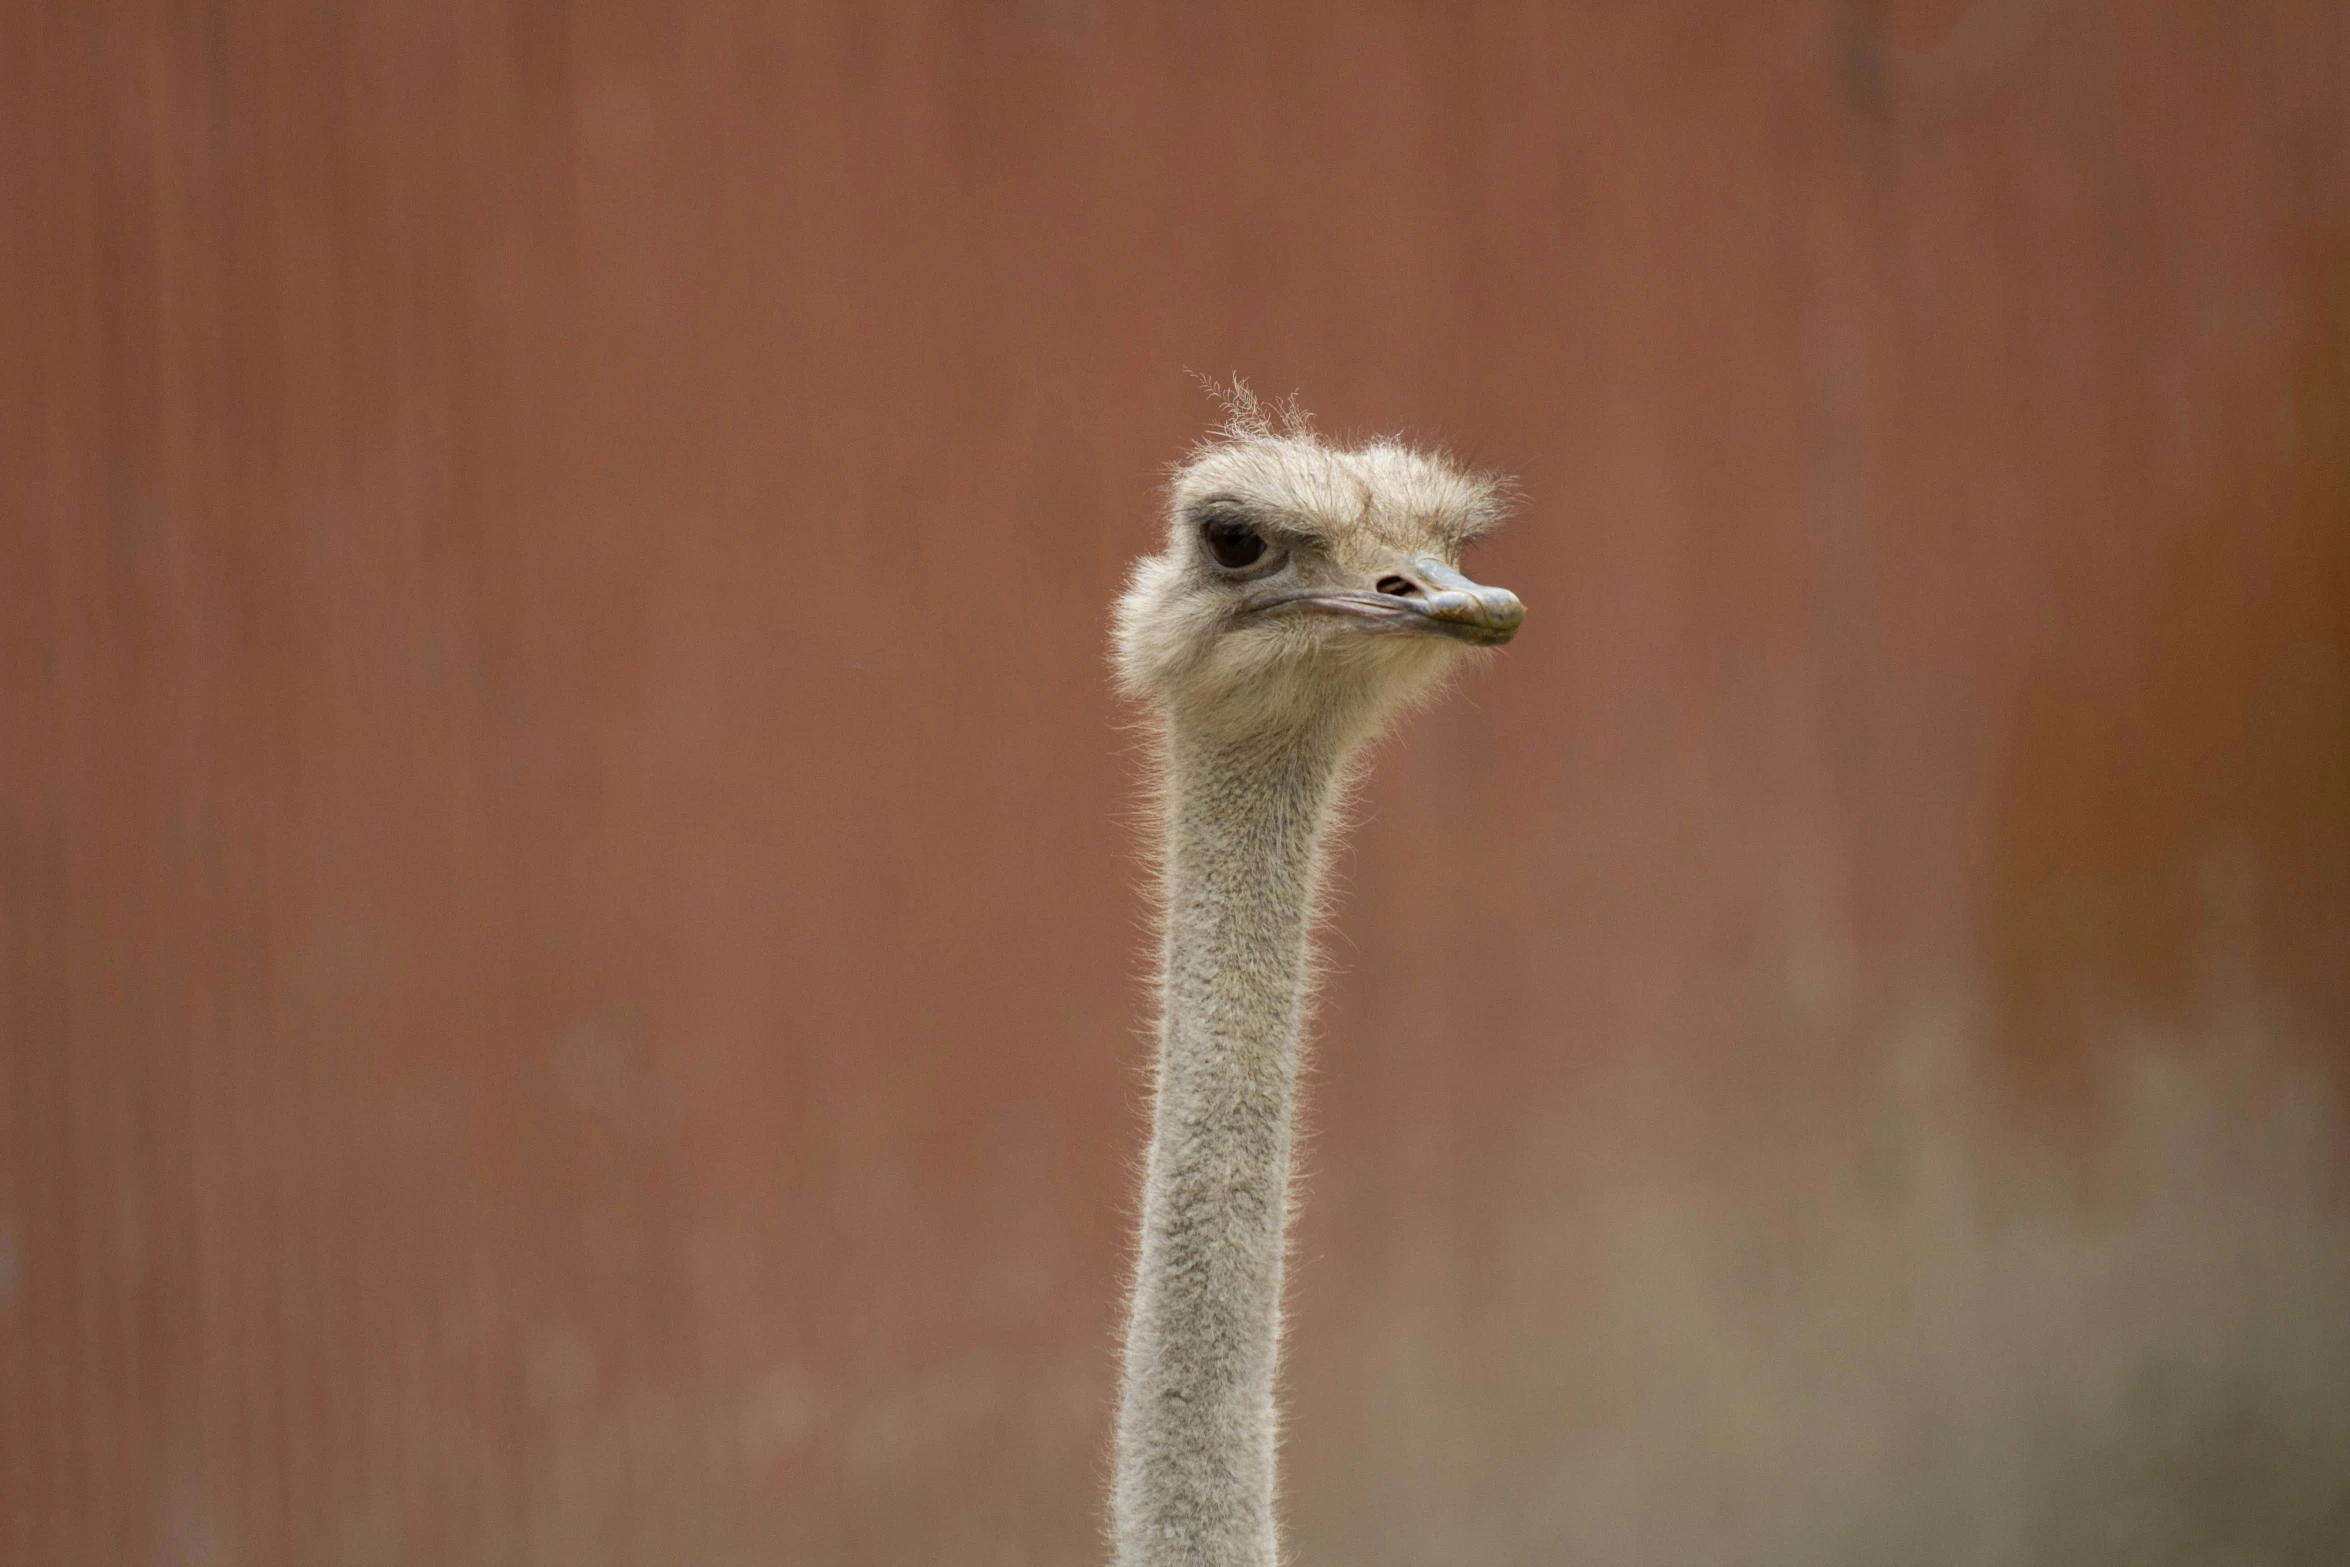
1306,594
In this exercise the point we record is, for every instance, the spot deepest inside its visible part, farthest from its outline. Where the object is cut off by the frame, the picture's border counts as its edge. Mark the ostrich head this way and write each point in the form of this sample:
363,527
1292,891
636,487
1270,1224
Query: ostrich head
1307,586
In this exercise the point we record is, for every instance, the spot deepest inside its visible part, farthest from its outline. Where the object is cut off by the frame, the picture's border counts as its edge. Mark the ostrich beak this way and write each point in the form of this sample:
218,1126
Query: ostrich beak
1454,606
1421,595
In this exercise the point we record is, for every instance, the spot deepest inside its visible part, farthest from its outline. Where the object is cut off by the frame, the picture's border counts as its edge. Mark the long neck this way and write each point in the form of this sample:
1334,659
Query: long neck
1196,1423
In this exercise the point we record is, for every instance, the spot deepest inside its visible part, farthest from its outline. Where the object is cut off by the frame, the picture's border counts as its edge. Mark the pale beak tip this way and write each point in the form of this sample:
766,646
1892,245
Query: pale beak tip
1494,614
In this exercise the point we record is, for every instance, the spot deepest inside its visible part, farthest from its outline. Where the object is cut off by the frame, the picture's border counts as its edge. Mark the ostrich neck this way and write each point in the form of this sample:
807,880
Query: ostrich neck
1196,1423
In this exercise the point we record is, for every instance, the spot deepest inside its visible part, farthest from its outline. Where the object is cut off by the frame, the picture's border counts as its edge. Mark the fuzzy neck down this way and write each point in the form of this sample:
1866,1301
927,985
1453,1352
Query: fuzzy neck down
1245,821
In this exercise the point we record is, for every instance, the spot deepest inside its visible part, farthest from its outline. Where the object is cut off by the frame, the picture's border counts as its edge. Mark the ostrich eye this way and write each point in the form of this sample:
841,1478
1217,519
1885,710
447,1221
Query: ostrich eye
1232,542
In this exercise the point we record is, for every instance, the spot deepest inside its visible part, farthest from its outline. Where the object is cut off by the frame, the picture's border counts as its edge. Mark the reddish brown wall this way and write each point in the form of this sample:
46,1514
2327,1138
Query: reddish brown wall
567,949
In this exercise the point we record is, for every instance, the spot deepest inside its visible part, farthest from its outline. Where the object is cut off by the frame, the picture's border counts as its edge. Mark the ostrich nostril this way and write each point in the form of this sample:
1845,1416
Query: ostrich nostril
1398,587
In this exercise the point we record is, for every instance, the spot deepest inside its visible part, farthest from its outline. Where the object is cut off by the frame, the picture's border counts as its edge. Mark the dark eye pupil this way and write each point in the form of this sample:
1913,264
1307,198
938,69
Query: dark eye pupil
1234,544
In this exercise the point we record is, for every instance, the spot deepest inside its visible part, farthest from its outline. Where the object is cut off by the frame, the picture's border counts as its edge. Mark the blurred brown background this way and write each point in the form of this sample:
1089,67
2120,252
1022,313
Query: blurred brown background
568,947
